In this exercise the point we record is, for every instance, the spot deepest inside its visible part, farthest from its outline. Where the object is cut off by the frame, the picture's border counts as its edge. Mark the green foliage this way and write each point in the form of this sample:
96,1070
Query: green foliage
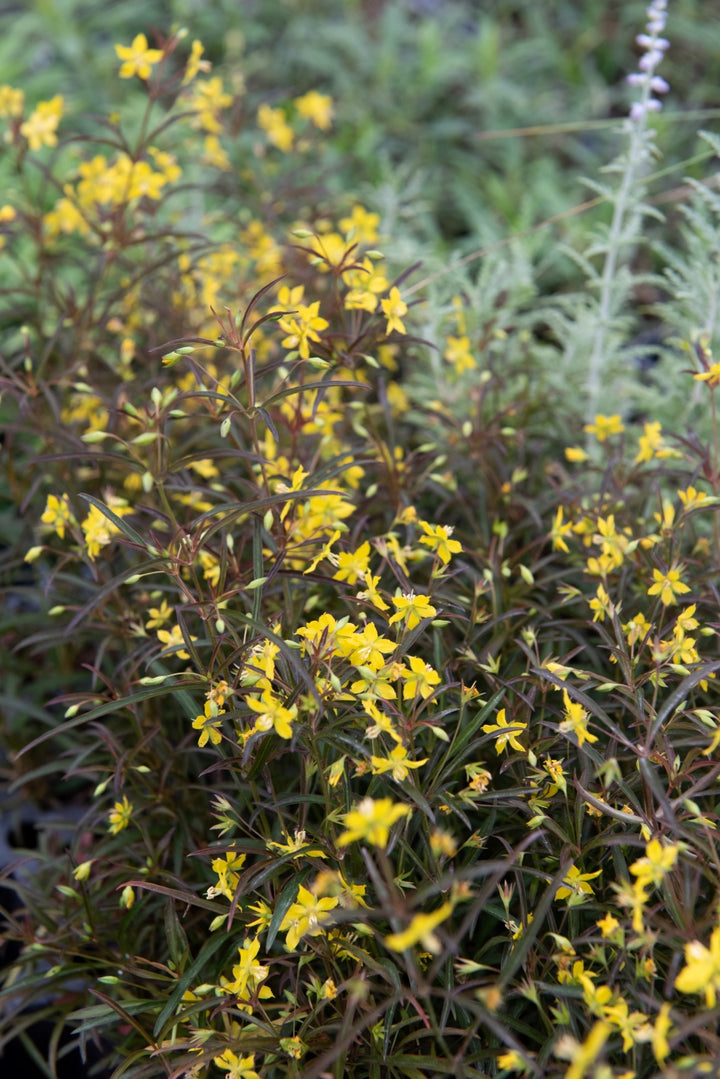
370,719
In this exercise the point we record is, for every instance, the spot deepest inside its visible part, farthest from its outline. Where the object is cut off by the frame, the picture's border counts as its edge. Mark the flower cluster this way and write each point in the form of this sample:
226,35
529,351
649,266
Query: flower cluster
646,80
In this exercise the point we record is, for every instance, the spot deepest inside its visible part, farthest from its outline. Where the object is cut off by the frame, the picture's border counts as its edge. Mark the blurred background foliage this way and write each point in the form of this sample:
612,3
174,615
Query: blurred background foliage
471,120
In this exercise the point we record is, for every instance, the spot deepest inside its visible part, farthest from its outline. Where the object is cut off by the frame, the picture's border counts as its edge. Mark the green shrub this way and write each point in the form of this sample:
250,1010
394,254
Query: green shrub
376,713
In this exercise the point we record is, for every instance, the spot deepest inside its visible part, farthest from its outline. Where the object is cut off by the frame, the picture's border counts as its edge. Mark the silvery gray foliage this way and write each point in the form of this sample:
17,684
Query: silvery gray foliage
691,287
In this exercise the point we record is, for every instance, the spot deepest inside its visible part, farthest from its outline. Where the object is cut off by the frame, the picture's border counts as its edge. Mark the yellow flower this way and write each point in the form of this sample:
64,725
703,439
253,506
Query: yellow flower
458,354
289,298
666,519
98,530
390,545
315,107
207,99
40,127
711,376
686,621
437,537
508,732
364,227
632,1025
394,308
159,615
137,58
600,567
398,763
65,217
576,884
575,454
211,568
369,649
691,498
331,883
297,846
634,897
274,124
614,543
601,604
119,816
555,770
420,930
658,861
227,876
11,101
302,326
371,821
57,514
381,722
336,771
478,778
236,1067
701,972
281,487
323,637
608,926
661,1029
247,973
219,692
264,915
512,1061
371,593
666,585
364,299
604,426
332,250
306,917
443,844
259,668
559,531
209,724
294,1047
174,640
413,608
637,629
419,680
575,721
353,564
215,155
586,1054
272,714
650,443
194,63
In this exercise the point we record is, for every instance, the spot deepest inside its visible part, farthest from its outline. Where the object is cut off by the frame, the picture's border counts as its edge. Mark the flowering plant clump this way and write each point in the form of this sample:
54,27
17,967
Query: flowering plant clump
381,737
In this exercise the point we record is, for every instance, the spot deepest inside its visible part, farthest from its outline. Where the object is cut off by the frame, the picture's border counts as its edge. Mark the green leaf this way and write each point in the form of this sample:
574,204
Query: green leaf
464,734
190,976
119,522
282,905
677,696
95,713
517,956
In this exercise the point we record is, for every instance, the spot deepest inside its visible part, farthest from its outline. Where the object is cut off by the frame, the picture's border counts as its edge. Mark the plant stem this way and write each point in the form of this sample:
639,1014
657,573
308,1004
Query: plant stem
608,289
